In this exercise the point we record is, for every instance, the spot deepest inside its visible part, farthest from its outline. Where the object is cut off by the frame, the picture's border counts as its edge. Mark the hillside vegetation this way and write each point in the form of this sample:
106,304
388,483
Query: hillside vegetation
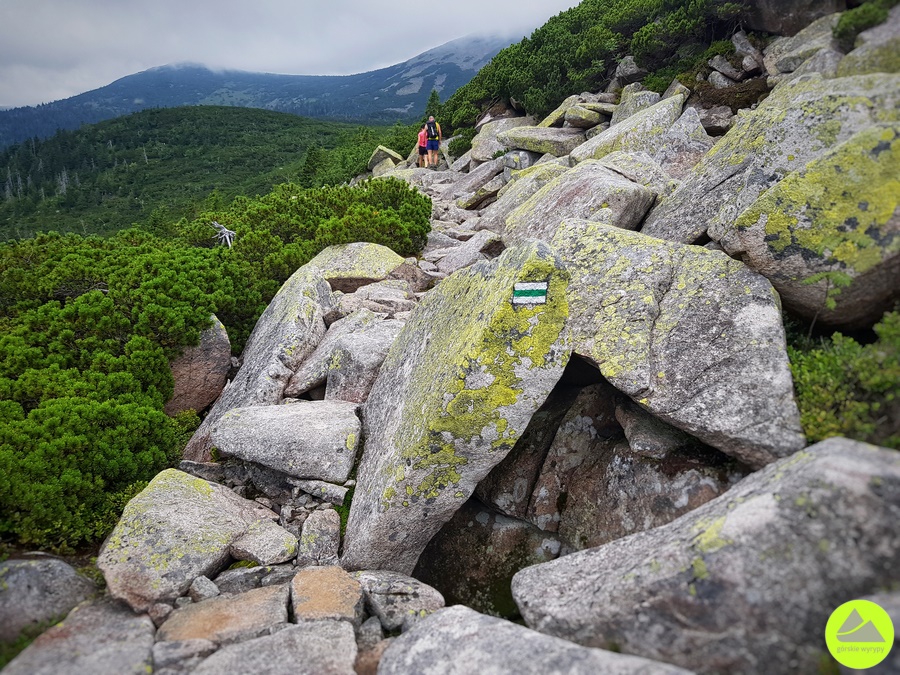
165,164
89,325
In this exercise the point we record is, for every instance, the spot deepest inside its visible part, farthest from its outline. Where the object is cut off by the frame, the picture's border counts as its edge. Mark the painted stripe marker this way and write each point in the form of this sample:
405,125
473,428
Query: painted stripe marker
530,293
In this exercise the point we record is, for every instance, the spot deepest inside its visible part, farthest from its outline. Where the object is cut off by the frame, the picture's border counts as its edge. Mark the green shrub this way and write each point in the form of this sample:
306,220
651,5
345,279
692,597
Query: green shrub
848,389
855,21
463,143
578,49
90,325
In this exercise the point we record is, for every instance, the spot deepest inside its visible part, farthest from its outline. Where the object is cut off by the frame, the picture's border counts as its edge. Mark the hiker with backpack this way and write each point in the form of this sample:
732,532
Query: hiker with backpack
433,135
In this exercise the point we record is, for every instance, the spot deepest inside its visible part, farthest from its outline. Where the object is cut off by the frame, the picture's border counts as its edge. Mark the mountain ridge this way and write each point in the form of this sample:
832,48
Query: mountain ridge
387,94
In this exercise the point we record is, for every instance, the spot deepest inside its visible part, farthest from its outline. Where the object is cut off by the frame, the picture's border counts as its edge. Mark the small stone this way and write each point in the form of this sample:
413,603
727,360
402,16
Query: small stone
202,589
393,597
370,633
326,593
229,618
321,539
328,492
159,612
720,81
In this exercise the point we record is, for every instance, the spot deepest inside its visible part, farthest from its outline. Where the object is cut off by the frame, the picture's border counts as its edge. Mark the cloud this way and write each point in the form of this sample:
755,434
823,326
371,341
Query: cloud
52,49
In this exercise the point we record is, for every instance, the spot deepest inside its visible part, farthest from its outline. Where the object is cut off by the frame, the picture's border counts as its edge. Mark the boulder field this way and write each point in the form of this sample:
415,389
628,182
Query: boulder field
573,411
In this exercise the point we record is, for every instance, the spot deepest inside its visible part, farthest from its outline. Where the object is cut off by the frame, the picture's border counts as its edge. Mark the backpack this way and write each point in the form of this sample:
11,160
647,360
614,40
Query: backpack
431,128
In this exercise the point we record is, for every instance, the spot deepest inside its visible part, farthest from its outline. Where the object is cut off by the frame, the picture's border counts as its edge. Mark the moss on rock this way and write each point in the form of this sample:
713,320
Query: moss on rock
454,394
827,235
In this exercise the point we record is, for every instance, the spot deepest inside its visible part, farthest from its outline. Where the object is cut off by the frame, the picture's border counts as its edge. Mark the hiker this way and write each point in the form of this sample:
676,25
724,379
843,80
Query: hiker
423,147
433,131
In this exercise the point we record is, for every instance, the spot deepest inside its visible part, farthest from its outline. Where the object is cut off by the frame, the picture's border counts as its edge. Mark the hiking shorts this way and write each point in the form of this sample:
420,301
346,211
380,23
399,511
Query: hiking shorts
433,145
423,150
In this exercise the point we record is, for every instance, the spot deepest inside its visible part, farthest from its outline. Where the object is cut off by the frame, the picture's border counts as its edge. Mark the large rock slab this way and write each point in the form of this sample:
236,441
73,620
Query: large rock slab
582,192
641,168
543,140
583,118
459,641
890,603
200,373
828,235
226,619
744,583
382,153
683,146
314,371
799,122
484,195
307,439
170,658
286,333
558,116
475,179
473,558
348,267
456,391
693,336
638,133
483,246
485,145
787,54
103,636
788,18
35,592
634,98
311,648
877,49
179,528
522,185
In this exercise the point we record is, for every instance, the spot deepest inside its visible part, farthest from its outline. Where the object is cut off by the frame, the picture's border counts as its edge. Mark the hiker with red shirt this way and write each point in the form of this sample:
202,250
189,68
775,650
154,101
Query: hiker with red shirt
423,147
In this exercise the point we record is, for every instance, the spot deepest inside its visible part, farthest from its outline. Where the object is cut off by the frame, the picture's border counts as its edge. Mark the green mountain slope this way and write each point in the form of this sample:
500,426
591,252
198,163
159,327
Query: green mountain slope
579,49
159,164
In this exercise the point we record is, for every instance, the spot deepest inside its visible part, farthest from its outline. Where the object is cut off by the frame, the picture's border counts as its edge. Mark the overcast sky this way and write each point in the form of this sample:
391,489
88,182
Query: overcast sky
53,49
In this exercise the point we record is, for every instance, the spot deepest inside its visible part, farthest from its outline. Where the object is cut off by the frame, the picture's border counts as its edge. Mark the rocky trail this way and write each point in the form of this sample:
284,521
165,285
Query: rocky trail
574,410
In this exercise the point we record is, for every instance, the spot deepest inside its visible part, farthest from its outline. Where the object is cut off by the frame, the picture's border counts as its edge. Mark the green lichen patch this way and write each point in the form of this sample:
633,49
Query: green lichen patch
454,394
708,536
880,58
639,133
463,400
838,208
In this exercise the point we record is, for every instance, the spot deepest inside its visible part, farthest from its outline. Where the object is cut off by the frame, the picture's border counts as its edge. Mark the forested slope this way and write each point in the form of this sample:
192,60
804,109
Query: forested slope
159,165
